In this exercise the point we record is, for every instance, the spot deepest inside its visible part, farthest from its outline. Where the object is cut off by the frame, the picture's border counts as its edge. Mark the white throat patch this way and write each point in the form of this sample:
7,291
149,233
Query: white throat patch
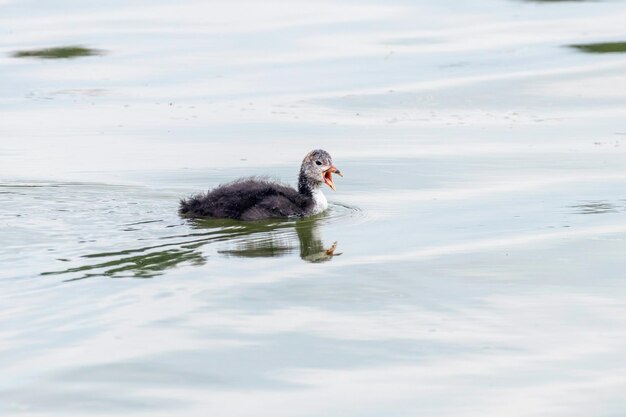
320,202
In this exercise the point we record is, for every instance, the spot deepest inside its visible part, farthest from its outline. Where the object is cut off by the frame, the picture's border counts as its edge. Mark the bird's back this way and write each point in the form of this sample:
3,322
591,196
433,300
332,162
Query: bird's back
247,199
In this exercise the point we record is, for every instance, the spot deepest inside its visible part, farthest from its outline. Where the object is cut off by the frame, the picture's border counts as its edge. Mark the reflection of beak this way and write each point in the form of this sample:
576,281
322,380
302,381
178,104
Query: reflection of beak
328,176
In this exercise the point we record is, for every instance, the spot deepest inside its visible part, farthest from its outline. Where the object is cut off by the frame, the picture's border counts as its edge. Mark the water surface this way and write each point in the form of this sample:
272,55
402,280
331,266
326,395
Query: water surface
480,227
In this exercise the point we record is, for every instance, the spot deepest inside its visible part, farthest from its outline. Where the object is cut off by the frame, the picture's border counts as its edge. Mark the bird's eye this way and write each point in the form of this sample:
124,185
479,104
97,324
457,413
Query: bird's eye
318,162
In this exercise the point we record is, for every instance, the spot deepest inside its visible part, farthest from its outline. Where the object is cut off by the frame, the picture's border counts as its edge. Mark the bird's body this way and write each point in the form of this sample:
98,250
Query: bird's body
250,199
258,198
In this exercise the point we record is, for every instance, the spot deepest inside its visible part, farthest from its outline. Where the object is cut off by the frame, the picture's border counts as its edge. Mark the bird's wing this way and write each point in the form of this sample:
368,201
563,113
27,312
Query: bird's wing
273,206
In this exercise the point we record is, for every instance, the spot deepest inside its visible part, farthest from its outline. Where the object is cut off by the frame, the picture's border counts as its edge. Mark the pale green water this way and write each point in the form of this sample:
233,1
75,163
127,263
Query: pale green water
480,225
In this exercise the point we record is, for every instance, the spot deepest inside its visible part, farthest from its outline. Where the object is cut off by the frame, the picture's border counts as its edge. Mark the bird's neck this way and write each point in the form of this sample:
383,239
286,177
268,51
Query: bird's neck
313,191
305,187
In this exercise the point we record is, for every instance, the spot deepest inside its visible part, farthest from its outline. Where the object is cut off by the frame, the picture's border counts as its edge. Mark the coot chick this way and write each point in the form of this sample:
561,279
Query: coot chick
258,198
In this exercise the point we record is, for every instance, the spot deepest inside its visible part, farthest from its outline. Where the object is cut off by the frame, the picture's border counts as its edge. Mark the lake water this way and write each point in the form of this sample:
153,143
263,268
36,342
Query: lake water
480,224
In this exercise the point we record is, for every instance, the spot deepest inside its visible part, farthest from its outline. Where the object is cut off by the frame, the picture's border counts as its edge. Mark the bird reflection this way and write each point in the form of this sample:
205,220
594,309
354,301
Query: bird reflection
242,239
278,243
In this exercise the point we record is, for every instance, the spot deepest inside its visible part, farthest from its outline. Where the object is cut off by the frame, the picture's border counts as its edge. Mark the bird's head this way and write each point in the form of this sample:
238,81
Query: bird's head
318,168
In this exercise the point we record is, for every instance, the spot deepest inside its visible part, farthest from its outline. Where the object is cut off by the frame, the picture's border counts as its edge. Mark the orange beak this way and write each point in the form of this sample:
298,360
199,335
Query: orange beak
328,176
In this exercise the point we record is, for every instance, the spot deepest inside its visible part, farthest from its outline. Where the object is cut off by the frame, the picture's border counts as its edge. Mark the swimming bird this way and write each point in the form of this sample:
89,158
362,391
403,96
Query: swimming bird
257,198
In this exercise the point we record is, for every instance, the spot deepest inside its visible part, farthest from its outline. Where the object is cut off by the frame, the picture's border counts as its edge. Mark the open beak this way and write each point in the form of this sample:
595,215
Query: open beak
328,176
